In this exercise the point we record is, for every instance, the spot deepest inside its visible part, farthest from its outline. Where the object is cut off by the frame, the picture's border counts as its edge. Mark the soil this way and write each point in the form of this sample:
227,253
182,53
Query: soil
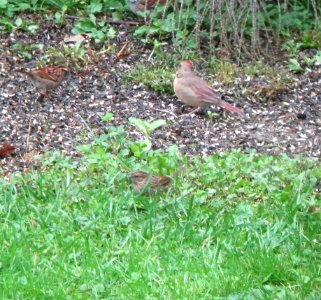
287,122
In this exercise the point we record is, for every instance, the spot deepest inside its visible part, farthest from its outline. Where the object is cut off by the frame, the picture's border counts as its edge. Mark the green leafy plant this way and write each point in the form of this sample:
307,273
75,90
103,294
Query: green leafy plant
292,47
311,39
318,58
295,66
74,54
25,50
177,25
309,62
95,28
107,117
146,128
18,24
156,47
211,115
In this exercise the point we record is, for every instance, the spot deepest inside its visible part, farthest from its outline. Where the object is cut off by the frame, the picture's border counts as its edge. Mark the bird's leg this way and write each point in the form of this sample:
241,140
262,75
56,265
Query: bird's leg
151,106
42,95
164,111
192,112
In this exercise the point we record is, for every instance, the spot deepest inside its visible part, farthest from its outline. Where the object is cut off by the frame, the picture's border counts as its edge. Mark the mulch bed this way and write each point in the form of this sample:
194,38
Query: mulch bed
288,123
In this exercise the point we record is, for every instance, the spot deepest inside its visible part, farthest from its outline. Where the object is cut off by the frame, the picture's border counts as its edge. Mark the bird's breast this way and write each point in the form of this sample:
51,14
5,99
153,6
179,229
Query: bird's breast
185,93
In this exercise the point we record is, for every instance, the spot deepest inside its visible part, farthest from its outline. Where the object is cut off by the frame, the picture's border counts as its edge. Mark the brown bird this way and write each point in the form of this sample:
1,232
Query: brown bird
194,91
140,6
147,183
45,79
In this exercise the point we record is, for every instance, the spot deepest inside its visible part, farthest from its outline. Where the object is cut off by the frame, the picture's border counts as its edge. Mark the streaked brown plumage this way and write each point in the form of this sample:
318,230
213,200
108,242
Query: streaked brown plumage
194,91
148,183
45,79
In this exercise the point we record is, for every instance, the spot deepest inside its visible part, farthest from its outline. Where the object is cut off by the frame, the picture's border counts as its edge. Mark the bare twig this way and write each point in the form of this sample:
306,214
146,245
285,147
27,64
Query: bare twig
28,137
121,52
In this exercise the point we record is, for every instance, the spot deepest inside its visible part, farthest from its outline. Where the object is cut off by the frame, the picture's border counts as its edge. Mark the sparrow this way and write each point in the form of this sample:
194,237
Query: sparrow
143,182
45,79
140,6
196,92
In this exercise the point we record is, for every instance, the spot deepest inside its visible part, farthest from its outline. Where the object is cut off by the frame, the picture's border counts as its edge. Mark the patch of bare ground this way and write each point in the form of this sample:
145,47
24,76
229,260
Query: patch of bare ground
288,122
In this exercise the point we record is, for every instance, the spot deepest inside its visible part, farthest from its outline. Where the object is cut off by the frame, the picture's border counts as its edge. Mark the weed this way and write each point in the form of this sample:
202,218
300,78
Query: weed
146,128
157,78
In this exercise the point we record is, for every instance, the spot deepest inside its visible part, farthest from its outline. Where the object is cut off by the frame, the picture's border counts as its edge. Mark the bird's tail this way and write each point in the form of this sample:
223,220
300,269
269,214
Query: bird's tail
232,108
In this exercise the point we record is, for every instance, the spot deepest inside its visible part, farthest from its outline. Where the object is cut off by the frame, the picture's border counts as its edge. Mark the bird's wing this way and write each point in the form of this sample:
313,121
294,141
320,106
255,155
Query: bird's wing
53,73
205,92
163,180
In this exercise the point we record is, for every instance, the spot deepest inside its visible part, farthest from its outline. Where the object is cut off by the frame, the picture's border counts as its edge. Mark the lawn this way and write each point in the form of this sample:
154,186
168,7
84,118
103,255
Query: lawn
231,226
241,218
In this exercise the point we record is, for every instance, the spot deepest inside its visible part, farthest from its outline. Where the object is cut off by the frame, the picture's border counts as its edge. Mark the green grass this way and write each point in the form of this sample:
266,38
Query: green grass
234,226
158,78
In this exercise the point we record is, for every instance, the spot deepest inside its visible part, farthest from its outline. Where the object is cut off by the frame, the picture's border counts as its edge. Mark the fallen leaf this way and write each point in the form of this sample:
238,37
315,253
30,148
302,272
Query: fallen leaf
74,38
6,150
223,52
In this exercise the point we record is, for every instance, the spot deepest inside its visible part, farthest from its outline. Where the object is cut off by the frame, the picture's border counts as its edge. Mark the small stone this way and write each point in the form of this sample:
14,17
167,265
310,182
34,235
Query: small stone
301,116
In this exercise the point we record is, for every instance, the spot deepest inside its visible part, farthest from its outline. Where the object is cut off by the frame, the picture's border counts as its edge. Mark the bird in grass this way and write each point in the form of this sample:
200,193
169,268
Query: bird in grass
143,182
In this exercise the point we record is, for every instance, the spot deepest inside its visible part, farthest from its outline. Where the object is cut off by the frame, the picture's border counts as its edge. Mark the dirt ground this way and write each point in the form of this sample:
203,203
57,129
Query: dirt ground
289,122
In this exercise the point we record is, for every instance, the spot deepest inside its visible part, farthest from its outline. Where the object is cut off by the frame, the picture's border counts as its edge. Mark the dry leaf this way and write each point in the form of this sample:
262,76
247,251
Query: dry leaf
6,150
74,38
223,53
